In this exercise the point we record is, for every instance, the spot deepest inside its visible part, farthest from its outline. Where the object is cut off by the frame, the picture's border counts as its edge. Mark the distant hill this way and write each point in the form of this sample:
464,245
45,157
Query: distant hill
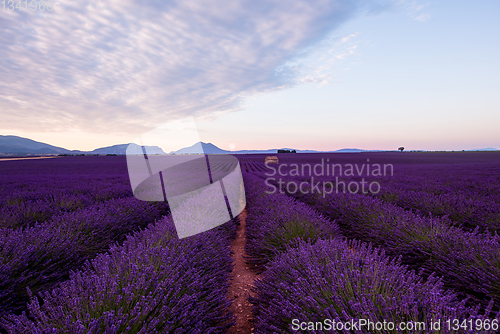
121,149
350,150
209,148
485,149
200,148
15,145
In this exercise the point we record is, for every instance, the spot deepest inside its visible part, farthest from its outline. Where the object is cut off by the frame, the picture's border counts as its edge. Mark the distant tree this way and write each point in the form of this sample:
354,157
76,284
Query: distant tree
401,148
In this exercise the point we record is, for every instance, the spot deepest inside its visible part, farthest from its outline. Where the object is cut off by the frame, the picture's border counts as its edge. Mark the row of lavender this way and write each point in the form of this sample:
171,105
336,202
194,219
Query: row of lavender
468,261
462,209
153,283
75,283
23,206
36,192
466,194
44,254
467,210
311,273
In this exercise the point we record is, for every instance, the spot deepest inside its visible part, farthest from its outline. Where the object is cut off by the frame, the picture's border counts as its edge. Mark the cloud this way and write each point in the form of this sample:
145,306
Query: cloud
125,65
347,52
415,8
345,39
422,17
319,64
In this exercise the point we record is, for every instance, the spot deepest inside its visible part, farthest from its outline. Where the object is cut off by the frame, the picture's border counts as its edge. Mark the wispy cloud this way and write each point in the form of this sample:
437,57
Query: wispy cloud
422,17
321,65
125,65
415,9
346,39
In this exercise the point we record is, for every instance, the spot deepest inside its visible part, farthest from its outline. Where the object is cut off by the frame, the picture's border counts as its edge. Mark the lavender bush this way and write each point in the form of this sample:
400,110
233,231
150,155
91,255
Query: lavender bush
464,209
340,281
154,283
40,256
276,221
36,192
468,261
23,207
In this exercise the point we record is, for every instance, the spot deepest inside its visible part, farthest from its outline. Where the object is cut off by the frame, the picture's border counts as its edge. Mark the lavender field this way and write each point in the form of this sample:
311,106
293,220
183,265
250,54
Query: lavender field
415,245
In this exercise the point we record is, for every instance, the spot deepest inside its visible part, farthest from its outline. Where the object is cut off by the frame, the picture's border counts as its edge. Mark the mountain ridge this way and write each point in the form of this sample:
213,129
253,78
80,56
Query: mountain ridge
15,145
209,148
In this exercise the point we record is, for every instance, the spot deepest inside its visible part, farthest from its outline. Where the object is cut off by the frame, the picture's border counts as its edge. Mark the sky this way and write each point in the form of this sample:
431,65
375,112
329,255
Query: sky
256,74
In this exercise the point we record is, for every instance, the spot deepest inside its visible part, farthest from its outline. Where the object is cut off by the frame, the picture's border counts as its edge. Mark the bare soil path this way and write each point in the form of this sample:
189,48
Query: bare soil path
241,283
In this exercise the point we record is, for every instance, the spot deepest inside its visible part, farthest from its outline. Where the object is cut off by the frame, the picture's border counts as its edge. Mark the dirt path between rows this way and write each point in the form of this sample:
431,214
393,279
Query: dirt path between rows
243,277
